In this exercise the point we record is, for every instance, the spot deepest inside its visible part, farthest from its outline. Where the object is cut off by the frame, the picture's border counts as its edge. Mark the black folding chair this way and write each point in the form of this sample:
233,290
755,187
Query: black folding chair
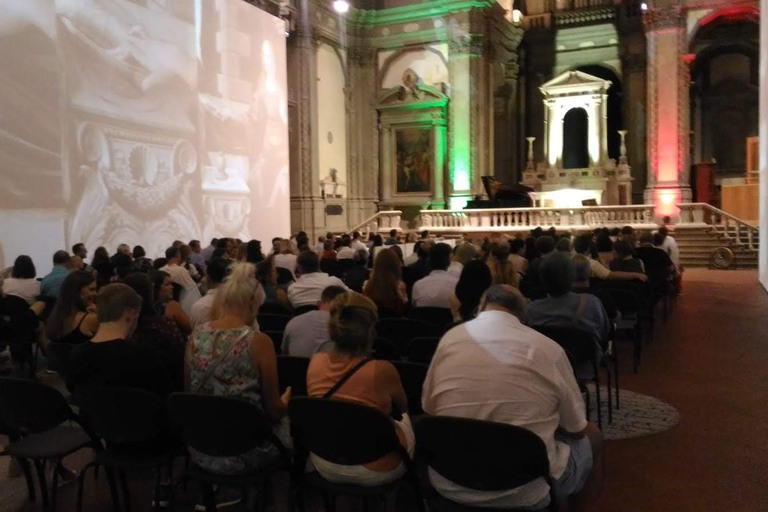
441,318
33,413
18,329
271,322
220,426
292,371
421,350
412,376
277,339
348,434
581,348
386,350
401,331
134,429
480,455
274,309
628,299
345,265
331,267
304,309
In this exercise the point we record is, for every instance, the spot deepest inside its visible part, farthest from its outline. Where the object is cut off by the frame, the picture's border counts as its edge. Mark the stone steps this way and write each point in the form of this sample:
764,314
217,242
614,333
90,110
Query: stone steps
698,244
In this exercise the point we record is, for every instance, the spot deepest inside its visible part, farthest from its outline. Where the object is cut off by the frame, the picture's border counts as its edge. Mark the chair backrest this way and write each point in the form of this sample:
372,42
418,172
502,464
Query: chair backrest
304,309
421,350
292,371
481,455
19,321
345,264
122,415
412,375
284,276
219,426
28,406
274,309
58,358
331,267
441,318
579,343
385,312
272,322
626,300
277,339
401,331
386,350
341,432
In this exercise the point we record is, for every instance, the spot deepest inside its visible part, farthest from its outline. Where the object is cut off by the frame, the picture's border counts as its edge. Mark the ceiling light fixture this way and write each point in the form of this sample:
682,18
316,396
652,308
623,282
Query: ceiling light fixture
341,6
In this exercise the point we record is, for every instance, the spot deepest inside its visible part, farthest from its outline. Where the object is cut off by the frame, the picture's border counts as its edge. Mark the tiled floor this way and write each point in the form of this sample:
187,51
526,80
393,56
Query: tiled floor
710,361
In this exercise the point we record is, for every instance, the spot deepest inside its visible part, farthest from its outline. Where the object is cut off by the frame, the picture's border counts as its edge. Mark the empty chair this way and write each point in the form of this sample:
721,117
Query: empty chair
401,331
219,426
442,318
345,434
412,375
33,414
482,456
421,350
272,322
292,371
135,433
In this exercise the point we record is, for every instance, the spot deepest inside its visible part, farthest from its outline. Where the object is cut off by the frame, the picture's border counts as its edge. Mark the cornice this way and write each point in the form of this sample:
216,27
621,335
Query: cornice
413,12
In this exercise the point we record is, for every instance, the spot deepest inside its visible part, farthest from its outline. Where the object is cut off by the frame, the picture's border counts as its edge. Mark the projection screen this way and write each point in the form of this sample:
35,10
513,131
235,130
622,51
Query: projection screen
140,122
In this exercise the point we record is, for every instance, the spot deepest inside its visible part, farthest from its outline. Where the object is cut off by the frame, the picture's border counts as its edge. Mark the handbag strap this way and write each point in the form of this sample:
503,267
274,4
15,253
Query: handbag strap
346,377
215,364
580,309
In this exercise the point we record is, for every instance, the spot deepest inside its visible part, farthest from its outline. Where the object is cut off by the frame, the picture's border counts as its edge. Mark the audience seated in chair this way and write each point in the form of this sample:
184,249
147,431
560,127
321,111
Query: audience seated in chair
180,276
345,251
308,333
435,289
267,274
385,287
625,260
582,245
583,270
164,303
494,368
463,253
157,332
73,319
309,287
517,255
370,382
545,246
226,356
474,281
358,274
215,273
111,358
502,270
22,282
102,265
51,284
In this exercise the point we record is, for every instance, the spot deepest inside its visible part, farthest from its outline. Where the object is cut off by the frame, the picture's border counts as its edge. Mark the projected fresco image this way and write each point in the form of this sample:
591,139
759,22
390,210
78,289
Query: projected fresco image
140,122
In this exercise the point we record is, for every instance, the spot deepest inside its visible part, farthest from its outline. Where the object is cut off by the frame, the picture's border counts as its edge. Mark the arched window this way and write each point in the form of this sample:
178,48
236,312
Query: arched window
575,139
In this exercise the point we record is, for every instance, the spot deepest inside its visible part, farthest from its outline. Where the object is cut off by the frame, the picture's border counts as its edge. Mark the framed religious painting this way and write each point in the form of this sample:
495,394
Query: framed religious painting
414,159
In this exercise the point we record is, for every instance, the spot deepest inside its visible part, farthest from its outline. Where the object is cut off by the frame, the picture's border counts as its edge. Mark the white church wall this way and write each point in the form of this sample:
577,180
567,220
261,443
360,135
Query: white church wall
332,120
429,65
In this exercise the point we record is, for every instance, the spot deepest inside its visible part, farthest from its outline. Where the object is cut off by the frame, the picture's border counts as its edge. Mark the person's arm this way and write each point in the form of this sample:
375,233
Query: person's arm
627,276
264,358
175,312
282,298
389,379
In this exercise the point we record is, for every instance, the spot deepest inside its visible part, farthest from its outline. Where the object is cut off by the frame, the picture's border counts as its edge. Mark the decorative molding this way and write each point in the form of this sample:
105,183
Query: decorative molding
433,9
469,44
583,16
363,56
666,18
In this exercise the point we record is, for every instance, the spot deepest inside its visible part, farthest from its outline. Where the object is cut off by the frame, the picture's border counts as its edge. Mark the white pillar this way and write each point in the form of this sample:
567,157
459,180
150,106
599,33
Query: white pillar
594,116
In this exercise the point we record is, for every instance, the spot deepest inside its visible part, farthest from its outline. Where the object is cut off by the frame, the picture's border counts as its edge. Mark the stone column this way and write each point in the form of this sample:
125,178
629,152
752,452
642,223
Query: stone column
554,135
668,107
603,129
595,133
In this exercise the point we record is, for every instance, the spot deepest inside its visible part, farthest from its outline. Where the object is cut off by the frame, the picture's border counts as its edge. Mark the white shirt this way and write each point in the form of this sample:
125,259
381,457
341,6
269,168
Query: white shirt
27,289
356,245
671,248
309,288
435,290
455,269
345,253
494,368
599,270
305,334
287,261
201,310
189,291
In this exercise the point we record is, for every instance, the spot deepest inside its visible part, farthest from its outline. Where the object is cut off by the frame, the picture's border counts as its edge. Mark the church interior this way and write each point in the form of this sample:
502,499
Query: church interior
394,255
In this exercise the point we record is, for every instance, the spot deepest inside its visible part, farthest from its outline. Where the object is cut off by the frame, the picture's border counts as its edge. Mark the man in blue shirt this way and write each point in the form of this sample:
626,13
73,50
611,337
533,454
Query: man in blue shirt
52,282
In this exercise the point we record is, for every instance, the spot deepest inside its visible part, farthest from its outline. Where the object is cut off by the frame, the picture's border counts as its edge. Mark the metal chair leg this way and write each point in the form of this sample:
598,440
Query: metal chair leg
27,470
126,490
113,488
55,485
42,482
610,396
81,484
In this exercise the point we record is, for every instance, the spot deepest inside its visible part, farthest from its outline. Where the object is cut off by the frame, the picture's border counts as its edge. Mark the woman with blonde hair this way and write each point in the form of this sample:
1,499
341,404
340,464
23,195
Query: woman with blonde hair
502,269
370,382
385,286
226,356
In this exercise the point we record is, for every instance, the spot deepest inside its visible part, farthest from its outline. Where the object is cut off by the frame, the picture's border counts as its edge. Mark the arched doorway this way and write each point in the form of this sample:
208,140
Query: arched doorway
576,139
615,96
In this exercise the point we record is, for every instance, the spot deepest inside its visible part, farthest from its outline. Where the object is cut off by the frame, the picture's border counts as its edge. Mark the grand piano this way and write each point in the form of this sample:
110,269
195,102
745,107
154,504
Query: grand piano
501,195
